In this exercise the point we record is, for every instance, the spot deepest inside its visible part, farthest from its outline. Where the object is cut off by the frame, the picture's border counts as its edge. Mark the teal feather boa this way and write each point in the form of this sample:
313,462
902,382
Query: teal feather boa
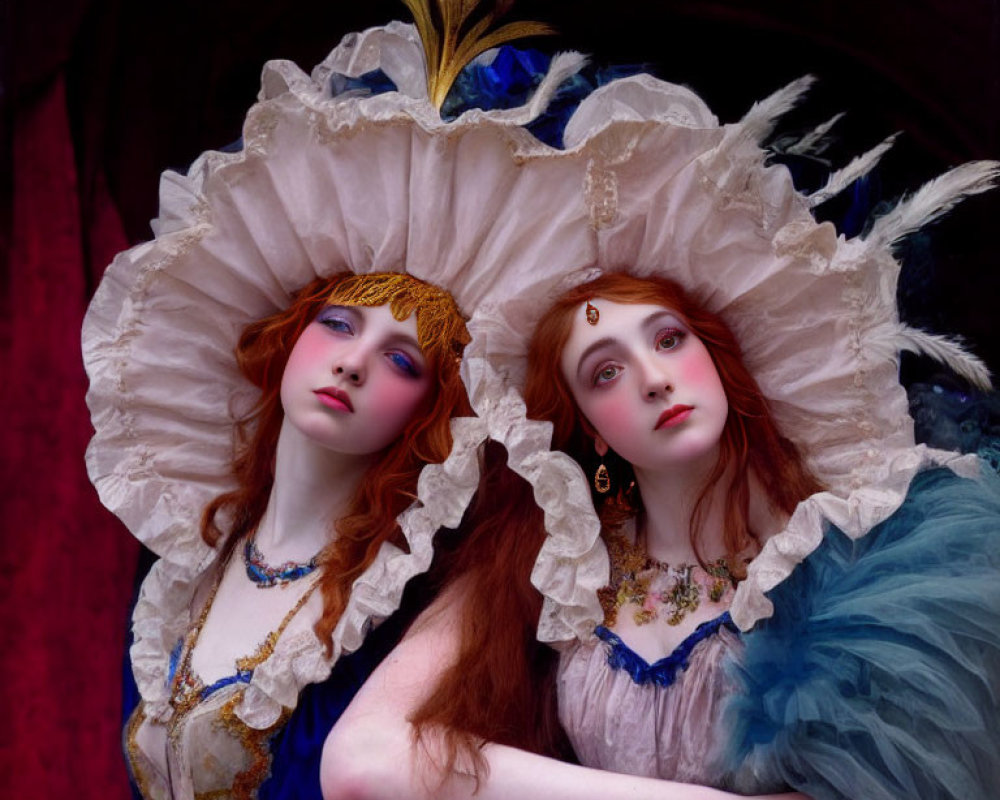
877,677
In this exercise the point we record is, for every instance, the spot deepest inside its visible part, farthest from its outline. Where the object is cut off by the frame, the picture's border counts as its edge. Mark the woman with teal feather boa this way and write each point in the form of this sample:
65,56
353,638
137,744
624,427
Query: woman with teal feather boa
875,675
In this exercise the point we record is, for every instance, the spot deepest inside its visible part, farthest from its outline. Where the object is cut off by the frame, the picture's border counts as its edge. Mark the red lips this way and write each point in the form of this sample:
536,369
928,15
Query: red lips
674,415
334,398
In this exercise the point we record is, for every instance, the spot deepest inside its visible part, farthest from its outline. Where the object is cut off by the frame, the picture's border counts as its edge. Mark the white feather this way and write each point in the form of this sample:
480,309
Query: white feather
845,176
562,67
949,352
932,200
811,141
759,121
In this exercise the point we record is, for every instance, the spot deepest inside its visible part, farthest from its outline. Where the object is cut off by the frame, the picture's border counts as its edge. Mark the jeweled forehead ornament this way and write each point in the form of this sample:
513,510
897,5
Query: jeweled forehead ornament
592,313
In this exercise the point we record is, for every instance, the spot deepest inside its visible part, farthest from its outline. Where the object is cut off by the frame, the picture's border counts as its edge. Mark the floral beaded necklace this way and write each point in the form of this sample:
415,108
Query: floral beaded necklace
659,590
265,576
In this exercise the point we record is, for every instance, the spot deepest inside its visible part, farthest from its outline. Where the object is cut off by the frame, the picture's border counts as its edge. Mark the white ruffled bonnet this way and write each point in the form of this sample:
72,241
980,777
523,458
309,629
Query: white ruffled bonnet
366,183
668,191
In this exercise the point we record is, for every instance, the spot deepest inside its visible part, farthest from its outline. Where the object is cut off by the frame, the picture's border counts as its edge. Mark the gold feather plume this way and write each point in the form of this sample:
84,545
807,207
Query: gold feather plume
448,48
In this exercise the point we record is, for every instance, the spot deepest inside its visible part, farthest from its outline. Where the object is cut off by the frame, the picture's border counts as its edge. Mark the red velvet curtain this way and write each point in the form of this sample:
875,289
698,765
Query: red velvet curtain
67,565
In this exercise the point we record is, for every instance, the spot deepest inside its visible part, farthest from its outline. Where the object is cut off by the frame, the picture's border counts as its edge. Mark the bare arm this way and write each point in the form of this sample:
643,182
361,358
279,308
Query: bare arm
369,754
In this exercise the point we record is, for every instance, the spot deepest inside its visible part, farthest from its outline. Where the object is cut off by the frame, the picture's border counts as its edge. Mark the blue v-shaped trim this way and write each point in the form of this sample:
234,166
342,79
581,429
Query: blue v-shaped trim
662,672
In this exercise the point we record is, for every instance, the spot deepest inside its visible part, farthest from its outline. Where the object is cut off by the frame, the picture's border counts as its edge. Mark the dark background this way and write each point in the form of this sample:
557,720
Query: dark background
96,98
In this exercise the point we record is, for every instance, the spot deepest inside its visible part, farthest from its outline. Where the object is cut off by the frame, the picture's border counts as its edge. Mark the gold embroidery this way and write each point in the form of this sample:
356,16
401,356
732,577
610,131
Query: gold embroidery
255,745
139,778
186,695
187,688
439,322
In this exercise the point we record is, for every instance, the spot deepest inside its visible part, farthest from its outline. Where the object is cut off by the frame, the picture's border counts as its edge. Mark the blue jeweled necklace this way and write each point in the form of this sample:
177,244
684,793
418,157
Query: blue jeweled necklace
266,576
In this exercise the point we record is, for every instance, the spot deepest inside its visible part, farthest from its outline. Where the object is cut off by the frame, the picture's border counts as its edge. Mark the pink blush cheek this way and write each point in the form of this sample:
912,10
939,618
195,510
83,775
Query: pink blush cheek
391,400
310,346
394,402
613,417
697,372
301,370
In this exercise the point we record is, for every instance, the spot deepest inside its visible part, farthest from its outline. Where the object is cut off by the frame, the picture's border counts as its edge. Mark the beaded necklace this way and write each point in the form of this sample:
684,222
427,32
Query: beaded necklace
266,576
659,590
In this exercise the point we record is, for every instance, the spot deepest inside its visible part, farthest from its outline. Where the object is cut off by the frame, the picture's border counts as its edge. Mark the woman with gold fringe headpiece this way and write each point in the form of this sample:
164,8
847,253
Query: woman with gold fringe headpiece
278,409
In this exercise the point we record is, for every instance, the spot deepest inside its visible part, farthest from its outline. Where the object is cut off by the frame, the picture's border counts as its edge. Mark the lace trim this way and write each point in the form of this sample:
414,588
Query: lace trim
444,491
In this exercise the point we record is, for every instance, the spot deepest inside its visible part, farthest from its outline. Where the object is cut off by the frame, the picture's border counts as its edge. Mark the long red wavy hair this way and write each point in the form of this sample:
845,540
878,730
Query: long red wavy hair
502,686
389,485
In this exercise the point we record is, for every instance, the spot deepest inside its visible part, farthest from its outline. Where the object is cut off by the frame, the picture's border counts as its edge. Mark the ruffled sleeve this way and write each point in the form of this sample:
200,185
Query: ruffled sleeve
877,676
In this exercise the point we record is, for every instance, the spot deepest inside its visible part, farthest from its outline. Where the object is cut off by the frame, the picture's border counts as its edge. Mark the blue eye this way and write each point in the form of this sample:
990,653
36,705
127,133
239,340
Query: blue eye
669,339
404,363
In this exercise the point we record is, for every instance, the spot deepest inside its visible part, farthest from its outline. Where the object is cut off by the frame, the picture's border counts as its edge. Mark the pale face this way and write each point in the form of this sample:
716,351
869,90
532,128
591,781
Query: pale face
646,384
355,378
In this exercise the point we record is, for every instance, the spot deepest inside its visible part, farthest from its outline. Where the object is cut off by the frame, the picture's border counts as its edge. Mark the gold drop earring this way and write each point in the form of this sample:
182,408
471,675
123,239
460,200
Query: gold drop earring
602,480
